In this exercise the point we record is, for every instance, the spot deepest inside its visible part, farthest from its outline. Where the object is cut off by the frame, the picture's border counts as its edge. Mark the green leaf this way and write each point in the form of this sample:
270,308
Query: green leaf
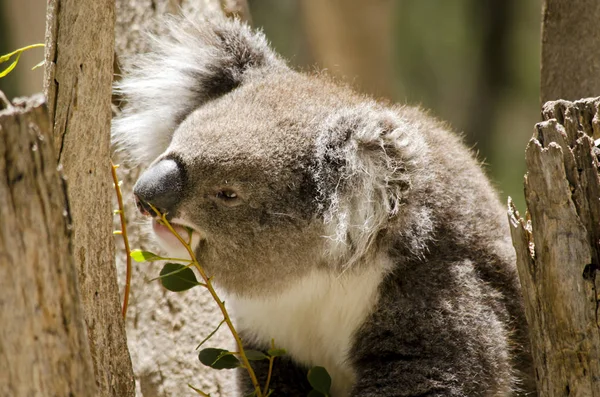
144,256
319,379
177,277
11,66
218,358
255,355
315,393
276,352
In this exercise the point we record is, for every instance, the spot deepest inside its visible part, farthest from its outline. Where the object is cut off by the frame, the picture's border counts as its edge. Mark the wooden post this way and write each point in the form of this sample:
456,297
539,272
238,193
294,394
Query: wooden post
558,246
43,343
78,85
558,242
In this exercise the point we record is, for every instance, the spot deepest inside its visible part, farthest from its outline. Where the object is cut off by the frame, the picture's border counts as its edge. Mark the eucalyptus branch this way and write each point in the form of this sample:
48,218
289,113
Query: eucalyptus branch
121,212
207,280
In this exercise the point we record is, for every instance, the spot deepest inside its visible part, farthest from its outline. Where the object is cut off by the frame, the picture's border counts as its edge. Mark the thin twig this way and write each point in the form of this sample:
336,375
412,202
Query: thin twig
212,333
271,359
213,293
125,239
198,391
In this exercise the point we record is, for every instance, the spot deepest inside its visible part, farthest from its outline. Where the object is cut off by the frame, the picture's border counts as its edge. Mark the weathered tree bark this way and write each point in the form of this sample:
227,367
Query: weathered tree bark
78,84
163,328
570,49
43,342
558,247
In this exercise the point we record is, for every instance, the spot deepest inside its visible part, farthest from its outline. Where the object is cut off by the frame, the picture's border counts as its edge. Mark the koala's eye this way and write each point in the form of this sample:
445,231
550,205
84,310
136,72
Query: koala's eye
227,196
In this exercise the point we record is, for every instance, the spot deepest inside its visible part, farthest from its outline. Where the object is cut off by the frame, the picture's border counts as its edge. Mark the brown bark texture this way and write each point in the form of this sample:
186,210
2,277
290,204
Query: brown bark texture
163,327
558,247
78,84
570,49
43,342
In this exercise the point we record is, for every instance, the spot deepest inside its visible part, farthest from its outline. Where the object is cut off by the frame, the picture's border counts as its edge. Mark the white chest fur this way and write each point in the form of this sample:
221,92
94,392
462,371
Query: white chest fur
314,319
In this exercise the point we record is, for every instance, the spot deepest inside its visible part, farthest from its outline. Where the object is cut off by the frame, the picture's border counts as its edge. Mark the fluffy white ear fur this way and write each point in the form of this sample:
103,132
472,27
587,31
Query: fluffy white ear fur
376,153
189,65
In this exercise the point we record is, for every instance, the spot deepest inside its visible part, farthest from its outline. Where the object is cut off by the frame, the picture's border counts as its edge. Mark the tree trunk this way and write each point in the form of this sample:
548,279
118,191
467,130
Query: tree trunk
558,246
570,49
78,84
163,328
43,343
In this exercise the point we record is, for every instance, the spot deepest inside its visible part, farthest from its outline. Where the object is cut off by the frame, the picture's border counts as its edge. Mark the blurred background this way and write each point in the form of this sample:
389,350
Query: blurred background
472,63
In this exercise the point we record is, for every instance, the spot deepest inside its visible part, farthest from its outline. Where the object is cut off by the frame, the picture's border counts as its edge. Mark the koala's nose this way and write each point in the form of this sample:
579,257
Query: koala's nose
160,185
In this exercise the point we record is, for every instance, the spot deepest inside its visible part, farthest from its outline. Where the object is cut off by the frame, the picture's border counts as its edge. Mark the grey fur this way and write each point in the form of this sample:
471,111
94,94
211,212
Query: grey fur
330,180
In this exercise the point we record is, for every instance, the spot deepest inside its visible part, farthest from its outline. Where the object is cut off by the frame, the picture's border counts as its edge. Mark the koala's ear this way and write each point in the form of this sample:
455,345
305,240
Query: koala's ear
188,65
368,160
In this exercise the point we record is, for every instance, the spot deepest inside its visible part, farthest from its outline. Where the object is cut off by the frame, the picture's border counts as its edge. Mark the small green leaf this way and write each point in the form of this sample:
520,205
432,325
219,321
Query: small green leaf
11,66
218,358
255,355
144,256
177,277
276,352
315,393
319,379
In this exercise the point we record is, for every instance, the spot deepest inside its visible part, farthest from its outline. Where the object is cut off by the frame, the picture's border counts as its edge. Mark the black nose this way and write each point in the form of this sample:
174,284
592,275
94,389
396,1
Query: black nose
161,186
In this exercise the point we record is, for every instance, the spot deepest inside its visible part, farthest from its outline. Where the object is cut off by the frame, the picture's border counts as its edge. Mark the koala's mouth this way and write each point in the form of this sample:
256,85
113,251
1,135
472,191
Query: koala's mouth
166,238
169,241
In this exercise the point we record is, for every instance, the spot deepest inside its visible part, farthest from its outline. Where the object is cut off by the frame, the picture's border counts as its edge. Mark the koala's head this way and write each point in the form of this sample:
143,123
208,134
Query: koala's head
276,172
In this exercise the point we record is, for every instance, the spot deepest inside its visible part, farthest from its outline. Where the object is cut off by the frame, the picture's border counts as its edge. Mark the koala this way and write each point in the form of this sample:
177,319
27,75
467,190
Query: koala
361,236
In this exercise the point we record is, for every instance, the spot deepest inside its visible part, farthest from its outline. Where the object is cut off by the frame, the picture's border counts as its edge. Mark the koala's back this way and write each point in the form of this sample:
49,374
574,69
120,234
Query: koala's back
463,286
362,236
